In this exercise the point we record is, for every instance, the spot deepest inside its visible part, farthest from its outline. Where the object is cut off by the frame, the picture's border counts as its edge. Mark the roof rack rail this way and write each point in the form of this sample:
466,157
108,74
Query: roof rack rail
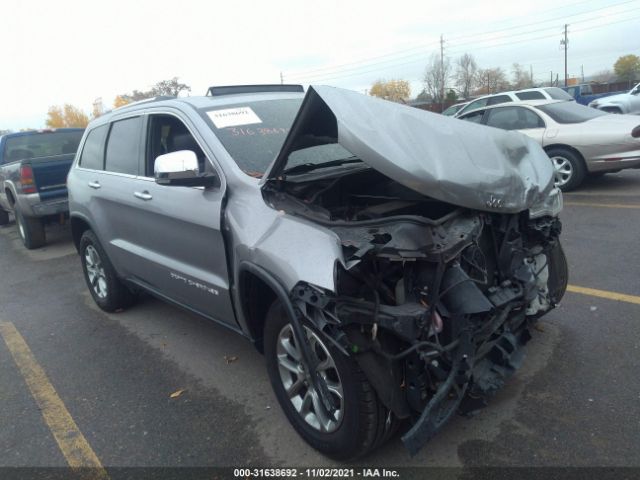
238,89
147,100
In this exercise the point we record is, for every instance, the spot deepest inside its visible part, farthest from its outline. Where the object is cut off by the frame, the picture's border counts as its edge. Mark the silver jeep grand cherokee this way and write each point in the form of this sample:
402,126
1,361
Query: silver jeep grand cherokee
387,261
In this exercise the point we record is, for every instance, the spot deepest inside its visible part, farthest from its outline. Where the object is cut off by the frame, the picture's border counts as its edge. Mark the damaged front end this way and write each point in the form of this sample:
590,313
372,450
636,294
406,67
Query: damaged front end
450,249
436,312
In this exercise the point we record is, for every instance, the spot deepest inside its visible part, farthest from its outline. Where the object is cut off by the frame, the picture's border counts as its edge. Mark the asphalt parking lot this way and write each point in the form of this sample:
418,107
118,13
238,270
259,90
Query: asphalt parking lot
575,402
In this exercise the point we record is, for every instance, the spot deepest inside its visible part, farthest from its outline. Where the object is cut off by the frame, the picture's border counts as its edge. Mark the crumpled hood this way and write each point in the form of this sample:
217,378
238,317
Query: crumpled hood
451,160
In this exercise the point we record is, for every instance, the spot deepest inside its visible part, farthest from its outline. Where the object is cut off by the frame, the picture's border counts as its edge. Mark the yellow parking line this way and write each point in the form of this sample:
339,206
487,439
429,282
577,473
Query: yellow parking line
621,297
72,443
600,205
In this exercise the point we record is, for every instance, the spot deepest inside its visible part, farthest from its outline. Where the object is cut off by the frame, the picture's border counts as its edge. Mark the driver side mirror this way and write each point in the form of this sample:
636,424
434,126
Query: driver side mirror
181,169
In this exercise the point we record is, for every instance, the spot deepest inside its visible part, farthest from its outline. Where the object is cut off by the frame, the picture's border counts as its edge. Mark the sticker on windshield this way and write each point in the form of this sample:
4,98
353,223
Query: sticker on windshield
233,117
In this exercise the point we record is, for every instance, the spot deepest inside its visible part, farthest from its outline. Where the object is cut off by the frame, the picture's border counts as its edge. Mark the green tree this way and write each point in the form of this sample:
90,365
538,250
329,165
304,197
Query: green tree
394,90
452,96
627,67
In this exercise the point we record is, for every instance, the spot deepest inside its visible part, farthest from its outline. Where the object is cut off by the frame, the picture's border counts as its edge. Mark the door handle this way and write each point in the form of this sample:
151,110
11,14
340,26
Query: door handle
143,195
95,185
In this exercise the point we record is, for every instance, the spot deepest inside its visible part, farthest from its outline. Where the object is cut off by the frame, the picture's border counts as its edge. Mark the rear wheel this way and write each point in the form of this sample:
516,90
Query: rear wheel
360,422
4,217
31,230
569,168
109,293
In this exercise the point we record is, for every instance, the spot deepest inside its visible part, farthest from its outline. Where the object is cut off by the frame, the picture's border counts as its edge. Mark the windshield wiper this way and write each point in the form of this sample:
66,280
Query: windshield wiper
307,167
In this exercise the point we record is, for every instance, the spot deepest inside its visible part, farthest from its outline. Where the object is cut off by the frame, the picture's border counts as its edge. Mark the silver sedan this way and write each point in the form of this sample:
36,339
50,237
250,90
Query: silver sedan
579,140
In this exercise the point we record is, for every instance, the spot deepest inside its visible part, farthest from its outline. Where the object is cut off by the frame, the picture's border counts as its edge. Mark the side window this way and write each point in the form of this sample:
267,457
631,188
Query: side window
505,118
92,155
572,91
481,102
530,95
475,117
514,118
498,99
168,134
529,119
123,146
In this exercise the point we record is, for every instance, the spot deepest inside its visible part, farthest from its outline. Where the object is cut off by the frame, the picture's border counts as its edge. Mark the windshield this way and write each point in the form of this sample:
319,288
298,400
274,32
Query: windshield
570,112
558,94
253,132
45,144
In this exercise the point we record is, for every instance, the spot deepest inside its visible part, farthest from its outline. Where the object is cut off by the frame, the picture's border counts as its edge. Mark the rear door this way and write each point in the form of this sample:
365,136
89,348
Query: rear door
109,166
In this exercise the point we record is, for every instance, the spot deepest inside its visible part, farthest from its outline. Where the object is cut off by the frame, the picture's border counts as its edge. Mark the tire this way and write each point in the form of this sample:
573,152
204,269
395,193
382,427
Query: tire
31,230
109,293
363,423
4,217
569,168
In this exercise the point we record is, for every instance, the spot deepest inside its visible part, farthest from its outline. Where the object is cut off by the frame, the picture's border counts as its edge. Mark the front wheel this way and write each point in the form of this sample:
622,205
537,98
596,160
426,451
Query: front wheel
31,230
360,422
569,168
109,293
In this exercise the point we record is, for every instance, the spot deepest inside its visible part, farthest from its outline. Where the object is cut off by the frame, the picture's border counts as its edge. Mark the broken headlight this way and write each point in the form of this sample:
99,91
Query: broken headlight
552,205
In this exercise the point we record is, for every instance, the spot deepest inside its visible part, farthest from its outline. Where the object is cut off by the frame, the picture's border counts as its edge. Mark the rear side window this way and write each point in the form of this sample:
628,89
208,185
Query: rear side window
123,146
498,99
514,118
92,155
530,95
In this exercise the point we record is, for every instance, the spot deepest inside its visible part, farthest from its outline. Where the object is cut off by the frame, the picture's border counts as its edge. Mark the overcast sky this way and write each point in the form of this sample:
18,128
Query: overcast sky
64,51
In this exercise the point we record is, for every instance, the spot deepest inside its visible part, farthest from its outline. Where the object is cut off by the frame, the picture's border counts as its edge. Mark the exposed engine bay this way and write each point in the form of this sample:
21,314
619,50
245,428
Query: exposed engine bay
433,301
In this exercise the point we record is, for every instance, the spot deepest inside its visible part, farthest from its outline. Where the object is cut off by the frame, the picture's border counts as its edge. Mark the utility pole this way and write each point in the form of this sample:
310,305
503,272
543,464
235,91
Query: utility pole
582,72
551,80
531,75
488,88
281,79
441,73
565,43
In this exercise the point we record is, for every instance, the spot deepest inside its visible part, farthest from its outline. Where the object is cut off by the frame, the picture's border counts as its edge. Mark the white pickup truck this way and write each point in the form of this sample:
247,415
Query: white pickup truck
622,103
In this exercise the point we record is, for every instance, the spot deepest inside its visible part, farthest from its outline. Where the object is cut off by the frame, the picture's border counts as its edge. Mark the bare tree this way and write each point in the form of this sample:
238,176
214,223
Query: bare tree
436,76
465,76
521,77
492,80
603,76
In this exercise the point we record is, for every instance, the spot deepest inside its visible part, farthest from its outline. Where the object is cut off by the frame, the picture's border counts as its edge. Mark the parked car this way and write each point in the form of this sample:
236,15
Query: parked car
623,103
545,93
388,261
578,139
33,173
453,109
583,94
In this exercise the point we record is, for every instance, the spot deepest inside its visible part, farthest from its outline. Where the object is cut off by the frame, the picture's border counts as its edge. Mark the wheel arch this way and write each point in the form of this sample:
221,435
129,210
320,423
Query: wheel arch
11,198
79,225
564,146
258,289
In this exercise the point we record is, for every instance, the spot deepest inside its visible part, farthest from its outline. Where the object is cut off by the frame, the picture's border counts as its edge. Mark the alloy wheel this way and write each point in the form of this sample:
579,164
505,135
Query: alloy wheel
296,381
95,271
563,170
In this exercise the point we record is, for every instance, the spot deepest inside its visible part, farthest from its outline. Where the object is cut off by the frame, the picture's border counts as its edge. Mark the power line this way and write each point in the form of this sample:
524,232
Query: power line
307,74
